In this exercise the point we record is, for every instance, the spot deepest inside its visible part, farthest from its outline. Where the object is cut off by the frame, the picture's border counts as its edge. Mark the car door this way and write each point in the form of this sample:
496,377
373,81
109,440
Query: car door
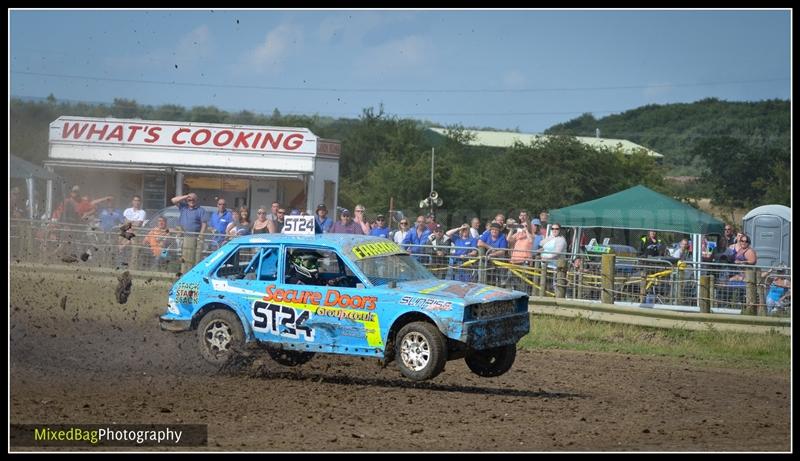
331,309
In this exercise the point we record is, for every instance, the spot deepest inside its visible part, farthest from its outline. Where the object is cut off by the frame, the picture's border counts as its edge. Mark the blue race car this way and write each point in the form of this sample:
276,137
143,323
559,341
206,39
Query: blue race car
344,294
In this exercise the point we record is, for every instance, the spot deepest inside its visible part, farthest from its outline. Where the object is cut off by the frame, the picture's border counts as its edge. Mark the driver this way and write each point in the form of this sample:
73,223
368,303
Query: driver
304,269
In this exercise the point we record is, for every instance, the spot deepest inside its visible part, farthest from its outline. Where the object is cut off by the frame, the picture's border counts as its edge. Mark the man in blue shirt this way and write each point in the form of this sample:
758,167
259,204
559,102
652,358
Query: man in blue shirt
110,217
380,229
417,236
219,222
465,246
322,219
495,242
193,220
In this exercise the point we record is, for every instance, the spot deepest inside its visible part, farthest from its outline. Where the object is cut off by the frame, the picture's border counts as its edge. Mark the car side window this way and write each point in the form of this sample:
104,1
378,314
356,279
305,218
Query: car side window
268,270
241,264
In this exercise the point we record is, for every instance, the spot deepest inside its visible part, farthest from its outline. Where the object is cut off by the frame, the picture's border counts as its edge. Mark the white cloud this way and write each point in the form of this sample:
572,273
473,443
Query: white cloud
411,52
280,43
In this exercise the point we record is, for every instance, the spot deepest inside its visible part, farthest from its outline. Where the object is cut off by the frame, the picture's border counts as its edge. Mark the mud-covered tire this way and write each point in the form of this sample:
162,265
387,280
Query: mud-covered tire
420,351
489,363
220,335
289,358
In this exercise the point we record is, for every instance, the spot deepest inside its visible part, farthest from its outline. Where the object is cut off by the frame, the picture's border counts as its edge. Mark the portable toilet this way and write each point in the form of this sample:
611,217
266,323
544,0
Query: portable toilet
770,229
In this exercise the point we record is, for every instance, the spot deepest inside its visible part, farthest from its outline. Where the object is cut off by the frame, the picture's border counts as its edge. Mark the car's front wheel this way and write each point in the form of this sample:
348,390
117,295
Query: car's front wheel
492,362
220,335
420,351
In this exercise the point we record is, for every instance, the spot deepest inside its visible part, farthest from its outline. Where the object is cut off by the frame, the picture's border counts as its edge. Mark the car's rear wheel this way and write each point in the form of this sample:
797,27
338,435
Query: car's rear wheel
289,358
220,336
492,362
420,351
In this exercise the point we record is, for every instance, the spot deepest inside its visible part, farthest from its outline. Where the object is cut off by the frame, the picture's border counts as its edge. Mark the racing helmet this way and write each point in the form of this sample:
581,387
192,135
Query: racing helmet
306,265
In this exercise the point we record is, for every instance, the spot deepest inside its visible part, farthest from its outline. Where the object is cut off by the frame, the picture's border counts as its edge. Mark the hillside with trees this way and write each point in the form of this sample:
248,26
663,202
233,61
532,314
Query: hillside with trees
740,150
386,157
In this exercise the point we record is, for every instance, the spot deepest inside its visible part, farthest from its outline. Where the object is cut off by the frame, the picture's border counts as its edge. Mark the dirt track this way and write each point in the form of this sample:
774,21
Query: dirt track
95,361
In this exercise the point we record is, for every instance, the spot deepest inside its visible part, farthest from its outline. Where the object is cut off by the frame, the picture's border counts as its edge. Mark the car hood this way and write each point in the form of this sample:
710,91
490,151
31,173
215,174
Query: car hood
471,293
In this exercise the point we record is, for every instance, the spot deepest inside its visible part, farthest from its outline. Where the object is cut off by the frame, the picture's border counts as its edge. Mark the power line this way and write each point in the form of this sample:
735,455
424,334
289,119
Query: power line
395,90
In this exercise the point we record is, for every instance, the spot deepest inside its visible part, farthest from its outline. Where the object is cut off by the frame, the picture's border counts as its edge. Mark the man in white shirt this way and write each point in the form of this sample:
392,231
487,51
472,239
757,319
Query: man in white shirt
135,214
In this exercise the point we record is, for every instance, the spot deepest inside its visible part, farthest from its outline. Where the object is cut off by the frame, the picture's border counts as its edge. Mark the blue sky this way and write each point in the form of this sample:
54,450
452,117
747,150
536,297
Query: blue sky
522,69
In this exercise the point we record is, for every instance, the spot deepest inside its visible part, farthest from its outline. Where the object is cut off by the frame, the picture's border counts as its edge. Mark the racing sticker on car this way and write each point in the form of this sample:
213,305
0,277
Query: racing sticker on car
308,304
430,304
282,321
187,292
367,250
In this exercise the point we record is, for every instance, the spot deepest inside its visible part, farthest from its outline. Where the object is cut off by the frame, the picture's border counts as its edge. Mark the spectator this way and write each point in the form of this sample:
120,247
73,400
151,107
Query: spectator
494,241
401,232
430,222
158,238
780,293
135,214
682,252
241,225
744,254
110,217
262,224
277,223
273,214
651,245
475,225
346,225
521,240
440,246
193,221
361,219
553,247
380,229
67,211
322,219
543,216
417,236
465,246
536,230
500,219
727,239
219,221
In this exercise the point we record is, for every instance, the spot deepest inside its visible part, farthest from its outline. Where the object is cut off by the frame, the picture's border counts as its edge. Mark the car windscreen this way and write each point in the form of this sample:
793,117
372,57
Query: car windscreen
380,270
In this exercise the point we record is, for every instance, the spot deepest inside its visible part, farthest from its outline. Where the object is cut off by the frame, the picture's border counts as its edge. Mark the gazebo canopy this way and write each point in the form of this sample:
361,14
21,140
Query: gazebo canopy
638,208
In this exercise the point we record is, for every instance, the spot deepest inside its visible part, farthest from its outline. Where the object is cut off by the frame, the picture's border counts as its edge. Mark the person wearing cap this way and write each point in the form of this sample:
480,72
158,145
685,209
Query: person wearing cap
494,241
380,228
440,246
346,225
322,219
360,218
536,225
464,246
500,219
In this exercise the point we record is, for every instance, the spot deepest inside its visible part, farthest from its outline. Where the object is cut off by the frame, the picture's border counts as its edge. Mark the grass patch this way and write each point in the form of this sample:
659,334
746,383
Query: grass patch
728,348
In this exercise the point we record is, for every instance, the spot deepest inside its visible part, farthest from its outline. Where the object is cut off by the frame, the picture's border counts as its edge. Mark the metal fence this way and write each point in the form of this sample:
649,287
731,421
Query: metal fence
658,283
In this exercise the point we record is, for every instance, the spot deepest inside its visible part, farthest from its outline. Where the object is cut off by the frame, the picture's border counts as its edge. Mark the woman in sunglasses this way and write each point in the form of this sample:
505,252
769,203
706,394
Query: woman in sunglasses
401,232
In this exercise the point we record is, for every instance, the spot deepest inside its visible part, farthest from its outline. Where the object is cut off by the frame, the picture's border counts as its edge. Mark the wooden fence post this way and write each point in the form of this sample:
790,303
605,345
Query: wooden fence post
751,295
542,277
561,278
704,293
607,264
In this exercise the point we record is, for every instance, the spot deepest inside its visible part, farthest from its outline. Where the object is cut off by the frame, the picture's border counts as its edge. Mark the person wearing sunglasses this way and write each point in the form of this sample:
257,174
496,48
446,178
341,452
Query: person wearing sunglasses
401,232
745,254
380,229
554,246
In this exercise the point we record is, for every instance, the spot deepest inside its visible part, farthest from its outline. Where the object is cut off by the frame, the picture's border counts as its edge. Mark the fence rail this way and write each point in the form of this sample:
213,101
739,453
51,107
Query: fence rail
659,283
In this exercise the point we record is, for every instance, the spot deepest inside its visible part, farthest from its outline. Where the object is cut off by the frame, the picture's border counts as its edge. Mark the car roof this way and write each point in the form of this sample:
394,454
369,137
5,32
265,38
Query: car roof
345,242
